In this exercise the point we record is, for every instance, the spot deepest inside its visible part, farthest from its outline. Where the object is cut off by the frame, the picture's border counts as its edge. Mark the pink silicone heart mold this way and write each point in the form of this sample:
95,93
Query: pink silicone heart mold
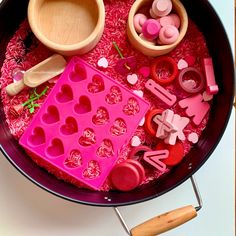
119,127
65,94
106,149
93,170
132,107
84,105
97,84
38,137
52,116
88,138
115,95
101,117
56,148
70,126
74,160
78,73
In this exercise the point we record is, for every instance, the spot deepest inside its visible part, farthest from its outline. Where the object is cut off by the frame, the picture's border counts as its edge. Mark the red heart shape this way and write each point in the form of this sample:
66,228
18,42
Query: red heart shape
56,148
84,105
65,95
38,137
97,84
78,73
70,126
119,127
88,138
93,170
101,117
52,116
132,107
115,95
106,149
74,160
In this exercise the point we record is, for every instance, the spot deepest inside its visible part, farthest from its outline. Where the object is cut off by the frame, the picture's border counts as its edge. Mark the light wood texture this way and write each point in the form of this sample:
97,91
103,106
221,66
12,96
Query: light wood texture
14,88
68,27
44,71
145,47
164,222
38,74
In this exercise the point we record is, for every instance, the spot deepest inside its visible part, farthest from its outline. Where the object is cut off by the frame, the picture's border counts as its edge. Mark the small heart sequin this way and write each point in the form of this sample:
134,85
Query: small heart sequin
132,79
135,141
193,138
102,63
182,64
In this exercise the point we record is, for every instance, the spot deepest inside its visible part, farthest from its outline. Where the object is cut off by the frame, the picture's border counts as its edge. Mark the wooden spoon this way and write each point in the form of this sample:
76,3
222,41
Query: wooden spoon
38,74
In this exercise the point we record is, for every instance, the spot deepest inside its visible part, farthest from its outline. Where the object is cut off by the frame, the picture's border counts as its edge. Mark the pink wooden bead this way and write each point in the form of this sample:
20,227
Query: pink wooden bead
139,20
171,19
151,28
161,7
168,34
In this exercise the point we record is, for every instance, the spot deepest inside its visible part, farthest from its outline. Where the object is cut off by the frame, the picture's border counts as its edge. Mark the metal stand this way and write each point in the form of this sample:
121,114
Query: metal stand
198,207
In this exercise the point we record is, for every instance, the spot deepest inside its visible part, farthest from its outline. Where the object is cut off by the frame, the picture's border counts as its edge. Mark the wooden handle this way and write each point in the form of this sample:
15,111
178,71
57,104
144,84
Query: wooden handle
14,88
164,222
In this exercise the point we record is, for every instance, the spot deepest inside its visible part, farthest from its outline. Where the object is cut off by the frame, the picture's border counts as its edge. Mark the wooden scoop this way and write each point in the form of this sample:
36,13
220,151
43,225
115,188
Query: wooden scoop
38,74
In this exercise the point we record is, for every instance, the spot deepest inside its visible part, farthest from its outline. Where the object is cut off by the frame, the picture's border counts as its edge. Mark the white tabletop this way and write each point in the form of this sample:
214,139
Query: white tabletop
25,209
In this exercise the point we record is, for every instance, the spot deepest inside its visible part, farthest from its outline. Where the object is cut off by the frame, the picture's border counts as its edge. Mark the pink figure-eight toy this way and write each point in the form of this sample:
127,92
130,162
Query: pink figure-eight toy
171,19
168,34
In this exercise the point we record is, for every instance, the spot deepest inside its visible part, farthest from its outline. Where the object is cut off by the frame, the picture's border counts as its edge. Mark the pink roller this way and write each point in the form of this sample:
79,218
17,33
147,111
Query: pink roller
150,29
139,20
168,34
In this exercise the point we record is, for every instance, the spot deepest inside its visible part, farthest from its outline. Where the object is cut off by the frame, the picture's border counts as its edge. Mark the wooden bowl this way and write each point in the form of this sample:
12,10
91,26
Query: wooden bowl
145,47
69,27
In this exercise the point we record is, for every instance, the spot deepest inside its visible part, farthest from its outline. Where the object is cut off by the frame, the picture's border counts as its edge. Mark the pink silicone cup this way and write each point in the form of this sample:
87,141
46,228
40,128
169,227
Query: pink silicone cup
77,120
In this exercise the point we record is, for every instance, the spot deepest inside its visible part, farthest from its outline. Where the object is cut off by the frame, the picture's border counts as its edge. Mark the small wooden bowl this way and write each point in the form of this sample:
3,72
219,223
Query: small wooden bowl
68,27
145,47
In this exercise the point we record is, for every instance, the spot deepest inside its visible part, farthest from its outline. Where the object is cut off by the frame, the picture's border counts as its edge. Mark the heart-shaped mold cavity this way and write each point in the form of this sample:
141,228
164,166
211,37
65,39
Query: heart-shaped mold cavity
115,95
52,116
78,73
84,105
65,95
56,148
38,137
119,127
74,160
88,138
132,107
70,126
105,149
92,171
97,84
101,117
